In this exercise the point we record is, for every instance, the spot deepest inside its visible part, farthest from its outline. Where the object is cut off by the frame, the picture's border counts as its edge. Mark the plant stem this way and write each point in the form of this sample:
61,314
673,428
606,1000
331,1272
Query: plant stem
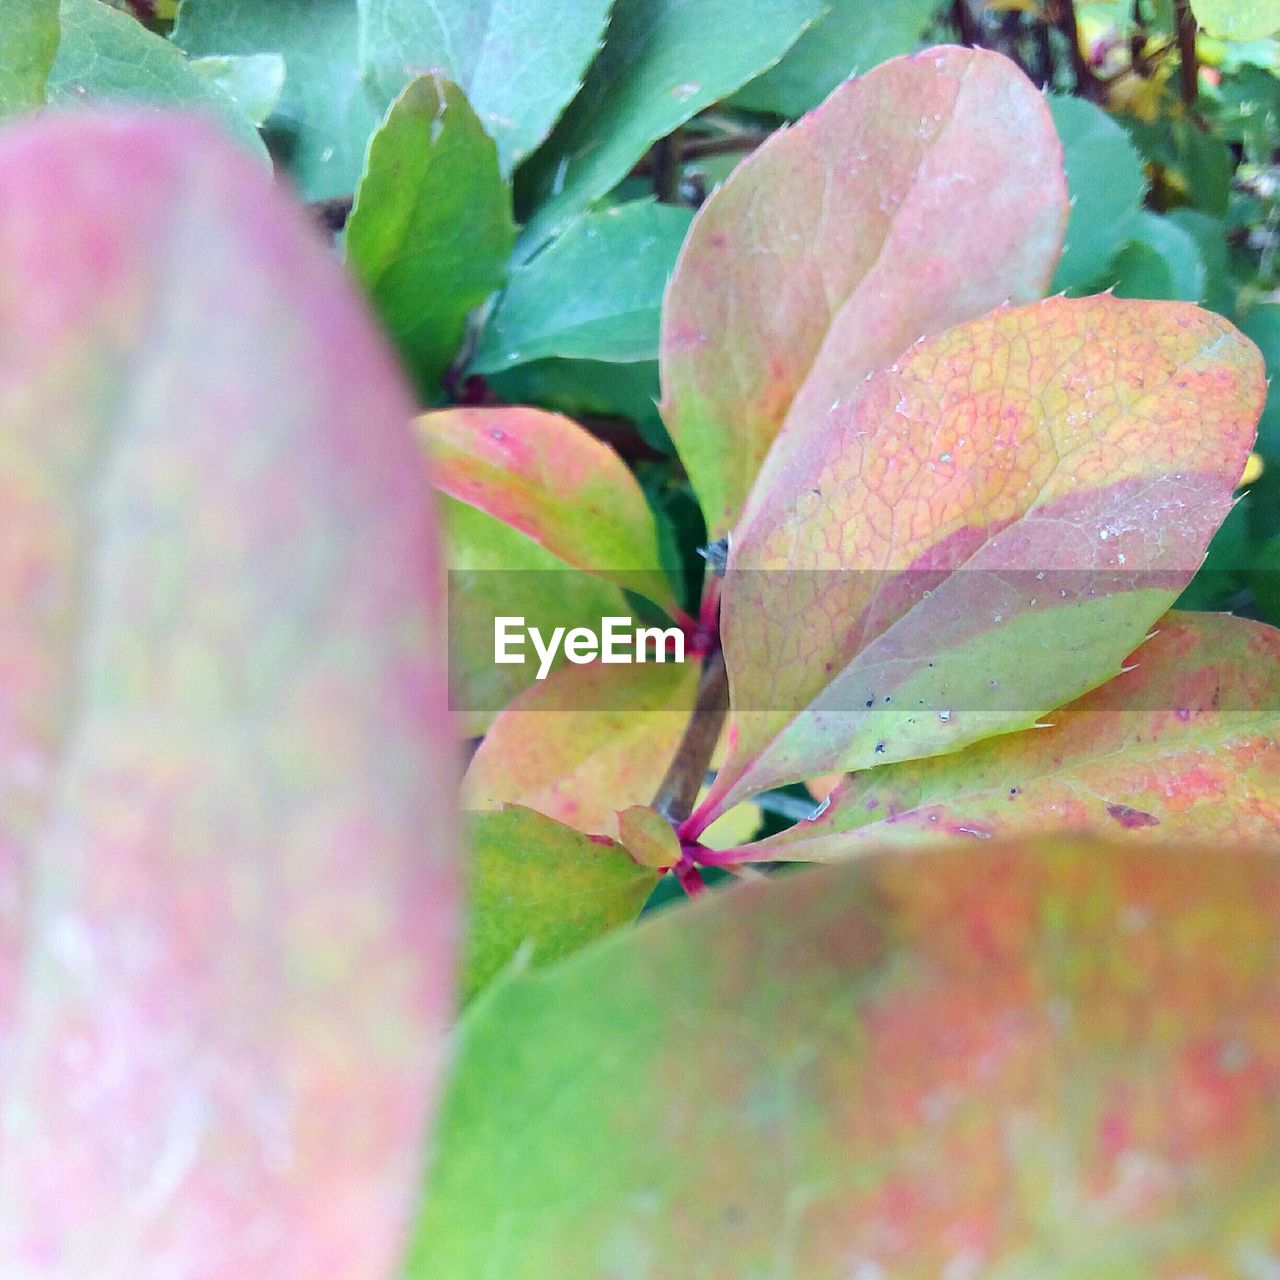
966,27
690,877
665,158
678,790
1086,83
1189,66
698,148
738,856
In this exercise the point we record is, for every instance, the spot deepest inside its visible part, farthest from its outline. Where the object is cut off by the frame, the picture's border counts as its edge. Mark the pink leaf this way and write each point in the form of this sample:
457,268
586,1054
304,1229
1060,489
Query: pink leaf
898,208
226,879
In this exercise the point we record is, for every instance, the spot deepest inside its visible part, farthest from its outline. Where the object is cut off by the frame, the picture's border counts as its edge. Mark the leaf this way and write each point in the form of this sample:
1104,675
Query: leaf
324,120
648,837
1161,260
1238,19
28,43
658,68
1053,1060
496,571
1249,111
105,55
1261,324
518,61
1210,237
1209,166
431,230
540,891
896,209
1106,182
1264,578
593,294
585,743
1186,746
226,838
548,478
583,389
848,40
1096,442
253,81
1220,583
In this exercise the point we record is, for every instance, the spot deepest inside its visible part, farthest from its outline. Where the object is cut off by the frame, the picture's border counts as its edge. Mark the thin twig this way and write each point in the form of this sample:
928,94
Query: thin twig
699,148
1068,23
665,158
678,791
1189,66
966,26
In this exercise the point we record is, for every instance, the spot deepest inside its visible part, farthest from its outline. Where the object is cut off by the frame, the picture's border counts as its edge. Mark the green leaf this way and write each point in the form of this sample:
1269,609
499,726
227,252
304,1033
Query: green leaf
593,294
108,56
431,230
1161,260
253,81
324,119
1238,19
850,38
1106,182
1053,1061
556,483
1208,164
227,836
518,61
1210,236
28,43
1221,581
539,890
590,389
661,64
1044,481
1249,111
1264,579
1261,324
894,210
1184,746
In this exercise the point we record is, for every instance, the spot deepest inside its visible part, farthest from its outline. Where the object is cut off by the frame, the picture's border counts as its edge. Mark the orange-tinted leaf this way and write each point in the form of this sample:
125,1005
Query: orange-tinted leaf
898,208
979,533
1057,1061
585,742
226,884
1184,746
496,571
544,475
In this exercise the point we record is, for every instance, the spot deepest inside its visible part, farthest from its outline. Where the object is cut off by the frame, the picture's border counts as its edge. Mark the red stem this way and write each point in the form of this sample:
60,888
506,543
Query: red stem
734,857
690,878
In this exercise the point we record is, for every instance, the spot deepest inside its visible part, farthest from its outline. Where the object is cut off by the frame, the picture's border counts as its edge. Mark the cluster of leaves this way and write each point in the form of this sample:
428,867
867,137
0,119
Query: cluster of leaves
946,518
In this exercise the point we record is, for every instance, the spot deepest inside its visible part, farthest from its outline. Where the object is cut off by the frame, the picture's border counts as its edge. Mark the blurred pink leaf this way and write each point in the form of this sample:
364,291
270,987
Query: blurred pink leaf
227,900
